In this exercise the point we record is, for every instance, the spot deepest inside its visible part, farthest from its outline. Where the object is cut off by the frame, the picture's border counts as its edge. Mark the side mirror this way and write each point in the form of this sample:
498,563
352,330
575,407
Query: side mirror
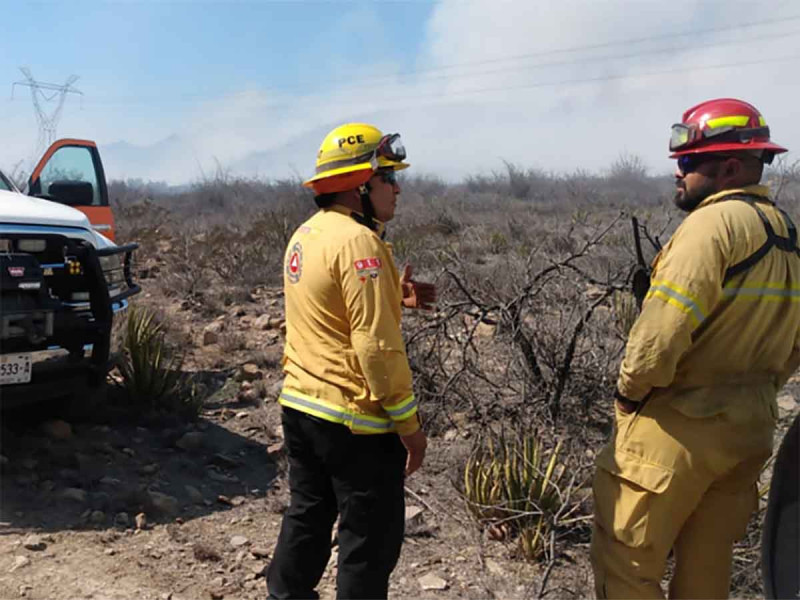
72,193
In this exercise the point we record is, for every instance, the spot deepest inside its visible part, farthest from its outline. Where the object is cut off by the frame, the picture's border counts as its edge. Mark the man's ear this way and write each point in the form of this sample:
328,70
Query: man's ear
732,167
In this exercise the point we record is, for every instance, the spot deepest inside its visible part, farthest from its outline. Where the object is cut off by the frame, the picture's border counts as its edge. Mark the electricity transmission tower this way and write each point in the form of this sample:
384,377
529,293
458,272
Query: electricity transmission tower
47,92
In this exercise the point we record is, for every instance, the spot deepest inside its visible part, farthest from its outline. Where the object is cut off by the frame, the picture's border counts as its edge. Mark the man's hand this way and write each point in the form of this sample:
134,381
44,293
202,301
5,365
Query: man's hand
415,444
417,294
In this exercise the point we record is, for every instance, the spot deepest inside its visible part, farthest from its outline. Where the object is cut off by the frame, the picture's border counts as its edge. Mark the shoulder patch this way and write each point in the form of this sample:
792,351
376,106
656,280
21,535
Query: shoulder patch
367,268
294,263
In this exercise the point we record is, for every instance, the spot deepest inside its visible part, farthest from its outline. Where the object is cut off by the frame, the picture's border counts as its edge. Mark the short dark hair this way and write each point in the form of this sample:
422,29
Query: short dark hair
325,200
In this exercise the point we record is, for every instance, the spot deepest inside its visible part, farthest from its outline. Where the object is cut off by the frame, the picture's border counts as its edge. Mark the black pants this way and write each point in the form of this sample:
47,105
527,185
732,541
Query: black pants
360,477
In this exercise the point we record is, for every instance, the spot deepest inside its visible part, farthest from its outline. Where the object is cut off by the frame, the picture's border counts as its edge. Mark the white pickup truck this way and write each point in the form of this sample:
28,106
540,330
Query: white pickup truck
61,279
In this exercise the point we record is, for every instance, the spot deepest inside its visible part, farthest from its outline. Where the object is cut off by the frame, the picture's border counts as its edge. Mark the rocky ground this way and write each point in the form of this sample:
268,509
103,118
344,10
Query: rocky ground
124,506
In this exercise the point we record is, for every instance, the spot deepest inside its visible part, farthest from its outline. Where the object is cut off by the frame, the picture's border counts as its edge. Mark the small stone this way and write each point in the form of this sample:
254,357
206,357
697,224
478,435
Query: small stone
216,594
122,519
129,451
210,337
413,515
57,429
192,441
164,503
19,563
223,499
141,521
238,501
238,541
450,435
262,323
242,415
432,582
149,469
250,372
787,402
110,481
109,552
194,494
34,542
97,517
259,552
74,494
246,385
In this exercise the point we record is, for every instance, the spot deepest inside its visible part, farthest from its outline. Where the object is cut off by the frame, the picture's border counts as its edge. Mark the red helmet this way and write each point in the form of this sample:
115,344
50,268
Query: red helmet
721,125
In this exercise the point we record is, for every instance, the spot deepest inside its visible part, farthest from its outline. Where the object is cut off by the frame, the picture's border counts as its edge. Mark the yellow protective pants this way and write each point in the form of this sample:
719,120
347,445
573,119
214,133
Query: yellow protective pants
671,481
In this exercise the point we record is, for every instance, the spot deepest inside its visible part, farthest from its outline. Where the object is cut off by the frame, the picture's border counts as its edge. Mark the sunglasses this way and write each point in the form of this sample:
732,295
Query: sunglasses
388,176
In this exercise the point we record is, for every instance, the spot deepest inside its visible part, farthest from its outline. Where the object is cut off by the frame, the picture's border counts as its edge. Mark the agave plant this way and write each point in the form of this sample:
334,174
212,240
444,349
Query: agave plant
150,369
511,486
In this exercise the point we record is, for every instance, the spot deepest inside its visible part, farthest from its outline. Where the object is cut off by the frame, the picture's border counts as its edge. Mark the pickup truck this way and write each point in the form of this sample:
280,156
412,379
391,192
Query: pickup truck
62,277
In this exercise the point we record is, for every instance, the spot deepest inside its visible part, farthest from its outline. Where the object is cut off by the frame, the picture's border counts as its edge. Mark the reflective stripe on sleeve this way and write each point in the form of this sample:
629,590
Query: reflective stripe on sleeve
335,413
403,409
763,290
679,298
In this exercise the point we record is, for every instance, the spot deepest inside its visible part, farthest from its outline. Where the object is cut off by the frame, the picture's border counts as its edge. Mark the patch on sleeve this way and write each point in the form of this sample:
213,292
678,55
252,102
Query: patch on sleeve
294,263
367,268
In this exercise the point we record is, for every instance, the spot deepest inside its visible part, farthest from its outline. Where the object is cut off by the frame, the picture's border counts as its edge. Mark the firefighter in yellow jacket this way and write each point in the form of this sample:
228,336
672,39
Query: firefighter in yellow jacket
349,414
718,335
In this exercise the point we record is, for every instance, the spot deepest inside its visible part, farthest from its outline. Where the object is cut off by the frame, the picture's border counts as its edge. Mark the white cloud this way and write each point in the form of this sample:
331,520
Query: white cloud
467,119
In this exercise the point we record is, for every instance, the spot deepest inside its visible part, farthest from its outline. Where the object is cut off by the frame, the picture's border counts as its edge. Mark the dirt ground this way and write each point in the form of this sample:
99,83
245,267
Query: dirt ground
108,508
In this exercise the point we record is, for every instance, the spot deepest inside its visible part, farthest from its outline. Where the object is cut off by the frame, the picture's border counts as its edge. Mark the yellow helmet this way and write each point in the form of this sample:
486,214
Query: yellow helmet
351,153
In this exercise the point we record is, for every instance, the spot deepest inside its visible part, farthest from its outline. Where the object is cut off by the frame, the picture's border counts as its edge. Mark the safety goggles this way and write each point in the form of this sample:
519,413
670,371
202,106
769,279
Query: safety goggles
688,163
391,148
685,135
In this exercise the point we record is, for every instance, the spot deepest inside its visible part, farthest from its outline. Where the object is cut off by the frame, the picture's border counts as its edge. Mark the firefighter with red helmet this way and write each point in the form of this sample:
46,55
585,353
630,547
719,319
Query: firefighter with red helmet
349,414
717,337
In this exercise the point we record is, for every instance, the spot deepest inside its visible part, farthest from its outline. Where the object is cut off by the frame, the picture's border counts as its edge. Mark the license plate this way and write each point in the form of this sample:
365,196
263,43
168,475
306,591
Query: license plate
15,368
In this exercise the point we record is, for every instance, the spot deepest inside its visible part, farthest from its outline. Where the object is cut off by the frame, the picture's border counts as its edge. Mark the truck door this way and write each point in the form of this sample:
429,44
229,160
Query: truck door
71,172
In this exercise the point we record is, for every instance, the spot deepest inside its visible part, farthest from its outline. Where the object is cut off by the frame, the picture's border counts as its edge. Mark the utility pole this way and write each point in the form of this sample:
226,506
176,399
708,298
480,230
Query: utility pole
46,92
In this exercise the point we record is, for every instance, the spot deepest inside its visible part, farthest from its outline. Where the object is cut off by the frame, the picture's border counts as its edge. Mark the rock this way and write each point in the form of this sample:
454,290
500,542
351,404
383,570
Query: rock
246,385
262,323
194,494
450,435
216,594
413,515
74,494
149,469
243,414
141,521
129,451
494,567
122,519
163,503
786,402
238,501
250,372
210,337
97,517
109,552
238,541
110,481
222,499
34,542
249,396
259,552
19,563
432,582
191,441
57,429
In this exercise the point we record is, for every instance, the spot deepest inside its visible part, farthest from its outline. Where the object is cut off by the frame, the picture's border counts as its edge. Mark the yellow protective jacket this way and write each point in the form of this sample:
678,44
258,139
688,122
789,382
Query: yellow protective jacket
705,328
345,359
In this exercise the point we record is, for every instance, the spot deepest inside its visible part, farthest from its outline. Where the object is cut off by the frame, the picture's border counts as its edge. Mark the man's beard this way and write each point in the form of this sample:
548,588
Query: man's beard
686,201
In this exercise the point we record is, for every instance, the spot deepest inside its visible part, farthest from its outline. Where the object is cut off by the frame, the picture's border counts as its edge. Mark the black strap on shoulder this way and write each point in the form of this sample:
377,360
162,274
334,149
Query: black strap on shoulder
787,244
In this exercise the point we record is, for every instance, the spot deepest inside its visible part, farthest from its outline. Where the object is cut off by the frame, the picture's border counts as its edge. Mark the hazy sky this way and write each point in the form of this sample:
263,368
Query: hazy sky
469,83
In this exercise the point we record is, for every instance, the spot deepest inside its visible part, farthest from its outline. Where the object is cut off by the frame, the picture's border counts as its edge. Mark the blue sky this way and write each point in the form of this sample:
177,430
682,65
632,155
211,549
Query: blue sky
173,90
